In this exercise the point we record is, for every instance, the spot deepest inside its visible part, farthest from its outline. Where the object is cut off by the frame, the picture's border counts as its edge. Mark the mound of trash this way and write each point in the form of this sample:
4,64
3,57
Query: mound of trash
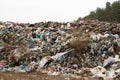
75,49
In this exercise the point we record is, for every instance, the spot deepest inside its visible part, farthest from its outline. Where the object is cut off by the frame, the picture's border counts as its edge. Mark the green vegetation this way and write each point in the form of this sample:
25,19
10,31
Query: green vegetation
111,13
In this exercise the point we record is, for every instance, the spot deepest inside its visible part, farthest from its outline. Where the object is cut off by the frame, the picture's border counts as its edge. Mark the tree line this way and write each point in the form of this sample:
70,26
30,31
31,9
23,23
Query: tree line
111,13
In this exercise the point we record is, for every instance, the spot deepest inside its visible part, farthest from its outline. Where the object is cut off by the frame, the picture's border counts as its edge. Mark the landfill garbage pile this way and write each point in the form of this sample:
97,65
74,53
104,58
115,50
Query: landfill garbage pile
77,49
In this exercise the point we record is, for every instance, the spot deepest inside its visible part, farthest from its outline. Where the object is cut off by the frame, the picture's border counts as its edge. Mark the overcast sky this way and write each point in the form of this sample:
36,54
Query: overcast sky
47,10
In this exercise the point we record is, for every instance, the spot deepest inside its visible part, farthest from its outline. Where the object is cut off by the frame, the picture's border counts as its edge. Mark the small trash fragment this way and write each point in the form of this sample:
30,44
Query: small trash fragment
111,60
99,71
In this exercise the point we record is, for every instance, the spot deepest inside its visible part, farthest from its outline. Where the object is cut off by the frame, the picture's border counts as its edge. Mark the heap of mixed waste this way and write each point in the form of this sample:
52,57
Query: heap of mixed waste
89,48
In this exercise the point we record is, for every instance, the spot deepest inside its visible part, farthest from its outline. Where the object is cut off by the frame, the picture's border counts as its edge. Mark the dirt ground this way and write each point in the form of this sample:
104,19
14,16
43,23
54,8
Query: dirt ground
30,76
